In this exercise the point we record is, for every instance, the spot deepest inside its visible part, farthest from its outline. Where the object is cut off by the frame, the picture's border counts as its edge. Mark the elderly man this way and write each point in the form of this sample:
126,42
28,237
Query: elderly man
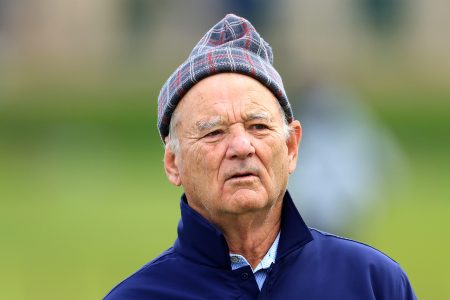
231,143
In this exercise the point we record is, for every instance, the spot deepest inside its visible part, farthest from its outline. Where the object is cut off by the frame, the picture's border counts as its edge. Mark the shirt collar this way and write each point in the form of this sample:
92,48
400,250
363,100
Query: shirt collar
202,242
239,261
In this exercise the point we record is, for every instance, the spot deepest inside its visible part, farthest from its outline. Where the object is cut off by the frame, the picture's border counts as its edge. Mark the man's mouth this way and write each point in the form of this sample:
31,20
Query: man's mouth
242,175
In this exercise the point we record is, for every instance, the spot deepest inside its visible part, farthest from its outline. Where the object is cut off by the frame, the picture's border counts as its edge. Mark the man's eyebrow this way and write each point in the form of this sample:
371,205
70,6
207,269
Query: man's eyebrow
258,116
203,125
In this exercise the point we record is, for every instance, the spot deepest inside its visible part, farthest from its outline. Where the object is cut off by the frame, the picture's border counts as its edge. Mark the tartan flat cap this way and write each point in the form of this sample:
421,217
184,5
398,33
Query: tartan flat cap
232,45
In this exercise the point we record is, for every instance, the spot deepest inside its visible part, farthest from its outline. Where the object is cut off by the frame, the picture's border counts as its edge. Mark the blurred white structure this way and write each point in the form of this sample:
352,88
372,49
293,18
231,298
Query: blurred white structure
347,159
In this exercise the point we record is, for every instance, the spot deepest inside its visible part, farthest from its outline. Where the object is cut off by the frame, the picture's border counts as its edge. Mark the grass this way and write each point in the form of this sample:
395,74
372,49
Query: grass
76,221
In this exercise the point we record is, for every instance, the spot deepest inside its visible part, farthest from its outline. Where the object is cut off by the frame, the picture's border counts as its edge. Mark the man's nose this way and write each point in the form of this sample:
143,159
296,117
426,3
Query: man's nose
240,145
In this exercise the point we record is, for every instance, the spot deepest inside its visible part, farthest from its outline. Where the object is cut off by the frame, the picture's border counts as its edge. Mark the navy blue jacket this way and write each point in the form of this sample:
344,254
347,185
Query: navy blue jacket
310,265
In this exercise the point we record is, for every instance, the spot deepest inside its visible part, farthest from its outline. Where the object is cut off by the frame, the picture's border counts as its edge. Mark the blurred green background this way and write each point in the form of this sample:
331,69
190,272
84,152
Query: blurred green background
84,201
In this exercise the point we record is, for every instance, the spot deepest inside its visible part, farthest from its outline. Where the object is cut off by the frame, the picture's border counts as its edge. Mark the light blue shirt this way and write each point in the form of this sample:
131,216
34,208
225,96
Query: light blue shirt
260,271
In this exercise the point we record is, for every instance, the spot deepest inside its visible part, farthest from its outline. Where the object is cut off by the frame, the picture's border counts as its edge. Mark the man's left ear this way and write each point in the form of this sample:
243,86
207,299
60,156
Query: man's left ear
293,143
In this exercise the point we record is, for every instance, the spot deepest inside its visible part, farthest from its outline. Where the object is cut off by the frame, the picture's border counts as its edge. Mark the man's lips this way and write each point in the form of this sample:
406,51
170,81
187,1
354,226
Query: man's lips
241,175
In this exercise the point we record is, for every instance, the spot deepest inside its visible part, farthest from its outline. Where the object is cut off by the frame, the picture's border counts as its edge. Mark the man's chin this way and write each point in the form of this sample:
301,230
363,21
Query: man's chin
247,200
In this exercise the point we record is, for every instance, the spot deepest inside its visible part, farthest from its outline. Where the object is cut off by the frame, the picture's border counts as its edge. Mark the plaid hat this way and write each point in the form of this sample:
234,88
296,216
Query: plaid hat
232,45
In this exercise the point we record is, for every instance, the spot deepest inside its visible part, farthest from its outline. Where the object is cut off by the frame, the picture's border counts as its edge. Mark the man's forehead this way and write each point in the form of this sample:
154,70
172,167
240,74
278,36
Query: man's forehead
227,98
249,106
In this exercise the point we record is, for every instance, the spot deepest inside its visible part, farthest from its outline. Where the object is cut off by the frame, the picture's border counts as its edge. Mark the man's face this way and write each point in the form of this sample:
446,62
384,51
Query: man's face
234,155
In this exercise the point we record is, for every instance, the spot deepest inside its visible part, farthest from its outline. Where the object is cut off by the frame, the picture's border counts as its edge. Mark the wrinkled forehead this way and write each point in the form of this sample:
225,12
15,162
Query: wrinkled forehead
224,113
227,98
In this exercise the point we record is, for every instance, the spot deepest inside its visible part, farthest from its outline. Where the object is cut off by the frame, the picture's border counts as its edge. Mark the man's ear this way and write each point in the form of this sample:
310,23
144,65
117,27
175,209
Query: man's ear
171,167
293,144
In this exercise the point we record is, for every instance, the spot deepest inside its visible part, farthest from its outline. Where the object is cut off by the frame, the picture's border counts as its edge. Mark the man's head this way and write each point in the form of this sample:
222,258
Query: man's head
235,149
231,143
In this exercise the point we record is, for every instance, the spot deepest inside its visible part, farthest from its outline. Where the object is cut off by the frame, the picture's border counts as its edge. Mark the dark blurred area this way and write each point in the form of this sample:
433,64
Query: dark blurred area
83,196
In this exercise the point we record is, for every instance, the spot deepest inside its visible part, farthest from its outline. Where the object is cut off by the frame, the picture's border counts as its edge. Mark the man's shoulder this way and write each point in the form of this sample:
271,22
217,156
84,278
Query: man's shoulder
127,288
343,248
352,258
346,259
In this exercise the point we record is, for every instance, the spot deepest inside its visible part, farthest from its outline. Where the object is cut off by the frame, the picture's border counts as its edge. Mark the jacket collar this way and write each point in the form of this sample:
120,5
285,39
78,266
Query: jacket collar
202,242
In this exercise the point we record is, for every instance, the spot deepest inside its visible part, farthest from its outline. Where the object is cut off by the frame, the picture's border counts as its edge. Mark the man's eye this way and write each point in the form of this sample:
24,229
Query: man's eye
214,133
259,126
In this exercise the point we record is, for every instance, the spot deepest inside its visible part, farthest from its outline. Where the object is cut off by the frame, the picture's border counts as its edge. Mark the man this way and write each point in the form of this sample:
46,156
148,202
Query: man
231,143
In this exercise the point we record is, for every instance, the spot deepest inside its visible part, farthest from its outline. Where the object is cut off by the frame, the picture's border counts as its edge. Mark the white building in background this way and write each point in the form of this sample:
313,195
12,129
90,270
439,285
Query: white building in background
321,35
52,31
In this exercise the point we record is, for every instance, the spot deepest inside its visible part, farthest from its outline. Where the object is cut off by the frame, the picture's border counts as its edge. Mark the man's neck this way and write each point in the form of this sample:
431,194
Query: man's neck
252,235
